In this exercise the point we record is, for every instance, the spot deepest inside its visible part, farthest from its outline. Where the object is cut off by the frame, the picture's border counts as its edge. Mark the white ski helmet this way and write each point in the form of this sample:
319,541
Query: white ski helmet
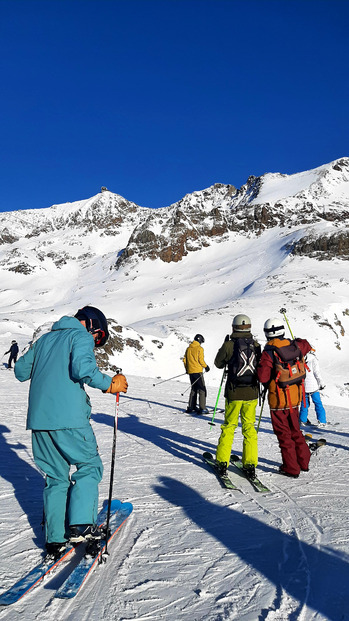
274,327
241,323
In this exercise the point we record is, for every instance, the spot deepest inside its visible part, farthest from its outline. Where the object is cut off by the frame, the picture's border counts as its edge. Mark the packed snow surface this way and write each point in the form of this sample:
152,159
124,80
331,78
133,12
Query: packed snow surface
191,549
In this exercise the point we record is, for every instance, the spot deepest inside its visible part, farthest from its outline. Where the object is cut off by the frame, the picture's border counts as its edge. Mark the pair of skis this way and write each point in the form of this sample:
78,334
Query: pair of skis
119,512
237,464
255,481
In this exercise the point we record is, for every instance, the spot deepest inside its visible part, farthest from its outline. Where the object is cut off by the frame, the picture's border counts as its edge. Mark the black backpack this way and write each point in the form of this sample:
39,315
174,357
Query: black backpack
242,366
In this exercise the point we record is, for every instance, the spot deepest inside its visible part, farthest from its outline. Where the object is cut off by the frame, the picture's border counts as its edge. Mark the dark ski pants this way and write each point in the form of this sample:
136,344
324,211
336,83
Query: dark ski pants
12,359
197,388
294,449
68,499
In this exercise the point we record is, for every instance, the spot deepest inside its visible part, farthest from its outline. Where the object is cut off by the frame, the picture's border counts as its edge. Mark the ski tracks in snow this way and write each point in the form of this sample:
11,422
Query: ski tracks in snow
192,550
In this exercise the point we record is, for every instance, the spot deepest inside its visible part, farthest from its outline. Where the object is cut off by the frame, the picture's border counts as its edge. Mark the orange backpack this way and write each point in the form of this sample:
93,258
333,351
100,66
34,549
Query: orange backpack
290,368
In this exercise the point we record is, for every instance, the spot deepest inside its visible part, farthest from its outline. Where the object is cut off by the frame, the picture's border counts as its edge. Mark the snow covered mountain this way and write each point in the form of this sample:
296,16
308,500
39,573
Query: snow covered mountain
161,275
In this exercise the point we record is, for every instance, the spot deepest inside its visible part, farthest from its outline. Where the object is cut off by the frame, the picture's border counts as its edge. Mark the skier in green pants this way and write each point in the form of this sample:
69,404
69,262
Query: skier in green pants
58,365
241,353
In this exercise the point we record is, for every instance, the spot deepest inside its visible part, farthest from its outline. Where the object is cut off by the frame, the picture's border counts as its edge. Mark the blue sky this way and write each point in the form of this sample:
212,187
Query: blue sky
158,98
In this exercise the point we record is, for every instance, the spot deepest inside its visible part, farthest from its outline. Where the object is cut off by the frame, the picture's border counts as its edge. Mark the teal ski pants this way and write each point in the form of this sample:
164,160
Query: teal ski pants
247,411
68,499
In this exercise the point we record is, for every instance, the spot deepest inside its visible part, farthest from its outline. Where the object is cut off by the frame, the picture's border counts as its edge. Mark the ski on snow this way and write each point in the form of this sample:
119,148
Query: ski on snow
45,567
224,479
255,482
76,579
314,445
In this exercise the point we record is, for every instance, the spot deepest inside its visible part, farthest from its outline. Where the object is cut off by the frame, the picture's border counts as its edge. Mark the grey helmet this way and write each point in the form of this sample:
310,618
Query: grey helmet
274,327
241,323
199,338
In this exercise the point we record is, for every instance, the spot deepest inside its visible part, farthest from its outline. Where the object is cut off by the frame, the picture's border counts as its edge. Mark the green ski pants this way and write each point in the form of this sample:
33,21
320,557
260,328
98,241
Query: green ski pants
68,499
247,410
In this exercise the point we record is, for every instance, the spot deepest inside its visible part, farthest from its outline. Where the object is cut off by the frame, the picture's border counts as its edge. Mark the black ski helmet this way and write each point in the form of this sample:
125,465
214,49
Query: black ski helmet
96,323
199,338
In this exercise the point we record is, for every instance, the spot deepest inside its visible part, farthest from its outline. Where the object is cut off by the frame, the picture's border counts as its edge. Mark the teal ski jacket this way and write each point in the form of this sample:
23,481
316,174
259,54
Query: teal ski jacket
58,364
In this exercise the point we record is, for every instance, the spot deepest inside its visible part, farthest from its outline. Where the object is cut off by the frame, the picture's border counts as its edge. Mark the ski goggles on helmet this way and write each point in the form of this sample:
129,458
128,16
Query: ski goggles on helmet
96,323
101,337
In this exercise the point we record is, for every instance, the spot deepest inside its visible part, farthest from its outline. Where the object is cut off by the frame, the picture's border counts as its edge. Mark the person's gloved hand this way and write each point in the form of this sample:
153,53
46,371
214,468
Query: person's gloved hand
227,338
207,369
322,387
118,384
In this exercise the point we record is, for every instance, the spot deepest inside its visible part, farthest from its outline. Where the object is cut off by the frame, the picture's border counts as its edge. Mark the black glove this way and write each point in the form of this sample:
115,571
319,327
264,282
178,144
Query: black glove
207,369
322,387
227,338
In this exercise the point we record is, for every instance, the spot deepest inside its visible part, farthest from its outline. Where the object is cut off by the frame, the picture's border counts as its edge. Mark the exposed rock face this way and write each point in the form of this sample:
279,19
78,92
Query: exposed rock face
120,339
132,233
172,232
324,247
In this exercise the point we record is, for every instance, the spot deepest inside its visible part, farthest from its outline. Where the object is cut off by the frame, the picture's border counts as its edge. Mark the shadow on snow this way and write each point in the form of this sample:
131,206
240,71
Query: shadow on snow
27,482
317,577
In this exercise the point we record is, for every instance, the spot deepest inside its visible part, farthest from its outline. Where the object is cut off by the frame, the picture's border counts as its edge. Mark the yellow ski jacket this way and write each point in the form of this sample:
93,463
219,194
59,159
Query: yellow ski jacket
194,358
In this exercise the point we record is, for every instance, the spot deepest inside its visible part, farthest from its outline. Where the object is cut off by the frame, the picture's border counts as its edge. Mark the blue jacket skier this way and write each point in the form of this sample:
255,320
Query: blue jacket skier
58,365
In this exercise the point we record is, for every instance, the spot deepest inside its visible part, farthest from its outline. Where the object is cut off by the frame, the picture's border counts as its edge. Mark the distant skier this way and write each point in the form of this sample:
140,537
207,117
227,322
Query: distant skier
194,365
313,383
284,400
13,351
241,353
58,364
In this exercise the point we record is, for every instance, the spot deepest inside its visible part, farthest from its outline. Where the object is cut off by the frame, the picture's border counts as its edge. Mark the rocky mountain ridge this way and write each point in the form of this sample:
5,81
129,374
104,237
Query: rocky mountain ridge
170,233
160,274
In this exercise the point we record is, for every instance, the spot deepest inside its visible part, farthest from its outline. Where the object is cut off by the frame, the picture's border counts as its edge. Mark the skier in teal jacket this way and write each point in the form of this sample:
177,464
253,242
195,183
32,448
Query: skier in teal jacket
58,364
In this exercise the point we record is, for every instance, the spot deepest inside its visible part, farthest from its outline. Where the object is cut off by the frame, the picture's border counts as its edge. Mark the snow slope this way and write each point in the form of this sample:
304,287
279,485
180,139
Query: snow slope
191,550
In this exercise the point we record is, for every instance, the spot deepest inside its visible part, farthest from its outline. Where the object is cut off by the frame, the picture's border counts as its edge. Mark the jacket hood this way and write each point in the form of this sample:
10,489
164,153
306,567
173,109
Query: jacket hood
241,335
68,323
279,342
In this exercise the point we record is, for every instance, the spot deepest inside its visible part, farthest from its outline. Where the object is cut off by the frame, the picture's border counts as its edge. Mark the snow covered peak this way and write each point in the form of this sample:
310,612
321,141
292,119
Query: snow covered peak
328,180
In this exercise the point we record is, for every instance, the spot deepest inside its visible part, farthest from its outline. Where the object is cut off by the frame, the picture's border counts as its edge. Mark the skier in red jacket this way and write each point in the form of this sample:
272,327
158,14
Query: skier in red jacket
284,404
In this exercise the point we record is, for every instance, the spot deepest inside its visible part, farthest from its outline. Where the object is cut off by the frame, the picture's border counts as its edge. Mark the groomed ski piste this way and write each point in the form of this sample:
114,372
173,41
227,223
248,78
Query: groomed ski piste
191,549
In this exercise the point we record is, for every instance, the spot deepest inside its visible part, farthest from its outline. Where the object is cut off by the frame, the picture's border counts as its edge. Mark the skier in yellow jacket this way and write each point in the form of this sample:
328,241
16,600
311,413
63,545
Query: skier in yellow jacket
194,364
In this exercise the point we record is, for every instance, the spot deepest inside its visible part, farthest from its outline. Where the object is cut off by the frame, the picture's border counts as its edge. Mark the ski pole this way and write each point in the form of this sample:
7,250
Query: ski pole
260,414
283,311
112,471
182,393
170,378
211,423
